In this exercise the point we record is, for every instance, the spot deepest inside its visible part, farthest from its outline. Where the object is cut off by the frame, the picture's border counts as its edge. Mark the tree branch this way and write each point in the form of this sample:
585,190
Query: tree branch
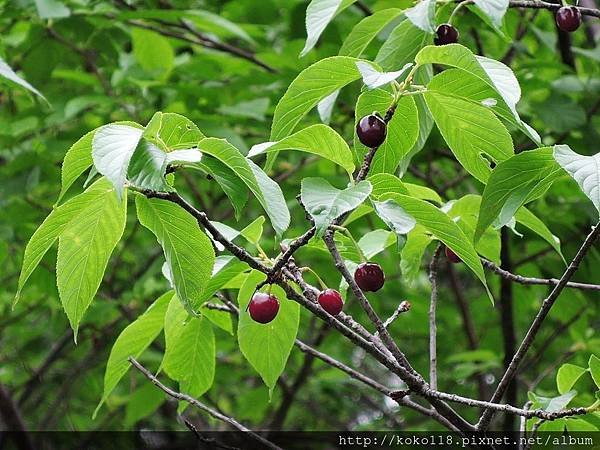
536,281
537,323
433,268
192,401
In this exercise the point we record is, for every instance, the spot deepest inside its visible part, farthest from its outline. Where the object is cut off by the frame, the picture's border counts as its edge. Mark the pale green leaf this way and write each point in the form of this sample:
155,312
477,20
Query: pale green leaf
325,203
188,251
79,158
311,86
132,341
267,192
318,15
512,183
171,131
394,216
422,15
267,346
402,45
190,350
470,131
7,72
319,140
567,376
254,231
84,248
374,78
494,9
112,148
584,169
412,253
153,52
535,224
56,222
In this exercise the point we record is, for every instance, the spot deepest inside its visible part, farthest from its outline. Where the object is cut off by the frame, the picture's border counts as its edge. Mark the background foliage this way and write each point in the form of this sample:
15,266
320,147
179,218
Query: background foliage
225,65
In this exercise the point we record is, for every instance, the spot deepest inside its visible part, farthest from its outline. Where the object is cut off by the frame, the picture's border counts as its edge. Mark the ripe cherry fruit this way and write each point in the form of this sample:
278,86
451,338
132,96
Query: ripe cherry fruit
371,130
568,18
263,307
331,301
369,277
446,34
452,257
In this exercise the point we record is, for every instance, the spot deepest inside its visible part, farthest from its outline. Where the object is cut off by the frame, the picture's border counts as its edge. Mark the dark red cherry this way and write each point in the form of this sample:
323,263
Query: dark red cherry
369,277
568,18
371,130
452,257
446,34
263,307
331,301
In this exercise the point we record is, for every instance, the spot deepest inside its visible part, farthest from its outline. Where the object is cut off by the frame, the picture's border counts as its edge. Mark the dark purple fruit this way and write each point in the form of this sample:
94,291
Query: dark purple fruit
263,307
452,257
371,130
331,301
369,277
446,34
568,18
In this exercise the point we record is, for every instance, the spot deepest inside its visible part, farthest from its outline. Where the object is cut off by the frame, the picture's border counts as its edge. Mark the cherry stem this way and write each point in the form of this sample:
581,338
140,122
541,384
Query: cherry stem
459,6
321,282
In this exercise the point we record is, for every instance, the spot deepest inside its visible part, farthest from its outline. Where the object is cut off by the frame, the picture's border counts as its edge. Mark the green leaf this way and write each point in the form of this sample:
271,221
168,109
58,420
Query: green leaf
190,350
470,130
423,192
267,192
495,74
412,253
148,165
535,224
143,402
112,148
402,45
552,404
584,169
422,15
79,158
267,347
567,376
188,251
56,222
132,341
9,74
394,216
254,231
325,203
366,30
512,183
221,319
386,182
84,248
494,9
232,185
594,365
153,52
444,229
319,140
402,134
318,15
311,86
374,78
225,268
171,131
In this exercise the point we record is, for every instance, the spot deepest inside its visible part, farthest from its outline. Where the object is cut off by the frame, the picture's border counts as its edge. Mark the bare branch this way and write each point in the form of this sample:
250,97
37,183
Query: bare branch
192,401
433,268
536,281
